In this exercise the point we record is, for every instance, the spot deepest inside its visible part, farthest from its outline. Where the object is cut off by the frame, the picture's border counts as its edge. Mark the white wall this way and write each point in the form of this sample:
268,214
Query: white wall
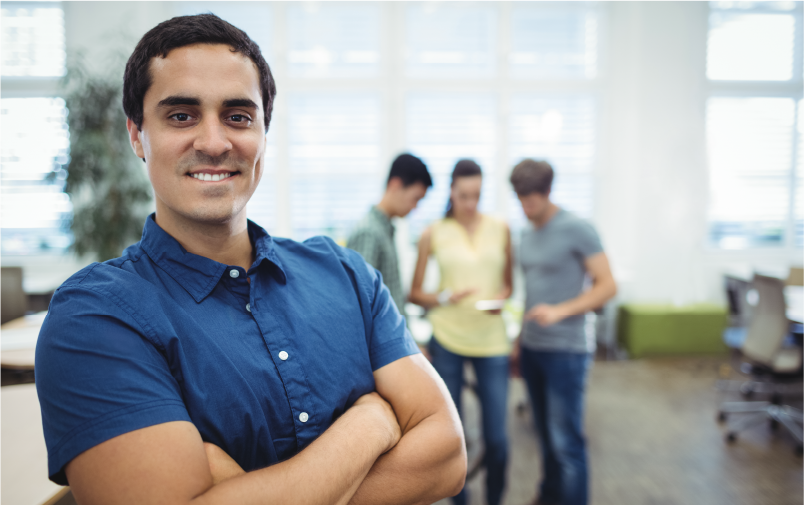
651,175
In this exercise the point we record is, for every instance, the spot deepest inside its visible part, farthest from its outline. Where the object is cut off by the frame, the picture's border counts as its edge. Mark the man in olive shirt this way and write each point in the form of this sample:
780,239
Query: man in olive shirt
556,253
373,238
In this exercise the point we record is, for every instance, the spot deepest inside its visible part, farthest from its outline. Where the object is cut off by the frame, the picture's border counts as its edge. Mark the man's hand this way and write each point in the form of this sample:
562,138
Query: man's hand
222,467
375,404
546,315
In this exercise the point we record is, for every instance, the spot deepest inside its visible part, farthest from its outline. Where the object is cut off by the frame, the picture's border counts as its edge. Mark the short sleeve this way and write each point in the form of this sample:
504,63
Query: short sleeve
587,240
364,243
98,375
389,338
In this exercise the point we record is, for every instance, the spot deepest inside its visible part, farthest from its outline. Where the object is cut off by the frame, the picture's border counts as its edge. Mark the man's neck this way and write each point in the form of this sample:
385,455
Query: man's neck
386,206
226,243
546,215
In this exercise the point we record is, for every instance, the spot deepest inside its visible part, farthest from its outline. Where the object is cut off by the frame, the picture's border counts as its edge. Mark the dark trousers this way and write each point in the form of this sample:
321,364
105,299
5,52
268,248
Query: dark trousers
555,382
492,374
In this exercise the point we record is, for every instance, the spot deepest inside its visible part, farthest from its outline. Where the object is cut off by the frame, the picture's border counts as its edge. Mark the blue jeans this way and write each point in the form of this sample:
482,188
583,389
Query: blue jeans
555,383
493,384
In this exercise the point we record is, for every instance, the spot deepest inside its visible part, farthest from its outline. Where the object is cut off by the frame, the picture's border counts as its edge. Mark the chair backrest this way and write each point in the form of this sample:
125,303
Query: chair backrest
768,326
740,309
795,277
13,301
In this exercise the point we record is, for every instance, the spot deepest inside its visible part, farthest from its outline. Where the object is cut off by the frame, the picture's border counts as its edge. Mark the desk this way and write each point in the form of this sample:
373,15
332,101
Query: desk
18,341
24,460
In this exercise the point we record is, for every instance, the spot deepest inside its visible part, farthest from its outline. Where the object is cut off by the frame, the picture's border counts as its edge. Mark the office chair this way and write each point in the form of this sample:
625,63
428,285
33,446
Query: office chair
775,368
13,302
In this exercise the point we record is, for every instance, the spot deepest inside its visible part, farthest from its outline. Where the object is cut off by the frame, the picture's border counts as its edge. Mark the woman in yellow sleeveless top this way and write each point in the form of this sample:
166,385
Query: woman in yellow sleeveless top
474,256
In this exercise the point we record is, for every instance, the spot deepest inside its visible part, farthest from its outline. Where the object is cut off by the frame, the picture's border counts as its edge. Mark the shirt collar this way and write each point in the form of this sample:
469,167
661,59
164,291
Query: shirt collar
198,274
382,219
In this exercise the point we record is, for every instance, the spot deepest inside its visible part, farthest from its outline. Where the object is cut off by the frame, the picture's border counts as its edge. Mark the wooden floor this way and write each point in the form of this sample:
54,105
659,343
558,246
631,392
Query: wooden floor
653,439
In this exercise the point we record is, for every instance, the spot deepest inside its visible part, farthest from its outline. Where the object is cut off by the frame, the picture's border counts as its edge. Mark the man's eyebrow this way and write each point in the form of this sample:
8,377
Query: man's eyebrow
240,102
178,100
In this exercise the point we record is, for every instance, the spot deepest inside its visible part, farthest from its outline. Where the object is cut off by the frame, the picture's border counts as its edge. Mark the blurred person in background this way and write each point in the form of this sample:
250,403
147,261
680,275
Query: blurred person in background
473,252
556,255
373,237
213,363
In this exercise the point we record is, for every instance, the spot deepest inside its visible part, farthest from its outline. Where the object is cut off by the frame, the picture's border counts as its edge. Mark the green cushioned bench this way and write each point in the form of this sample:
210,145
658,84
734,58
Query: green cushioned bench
656,330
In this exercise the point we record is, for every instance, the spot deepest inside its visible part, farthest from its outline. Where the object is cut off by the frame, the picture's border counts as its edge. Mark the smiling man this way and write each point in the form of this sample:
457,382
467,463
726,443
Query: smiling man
213,363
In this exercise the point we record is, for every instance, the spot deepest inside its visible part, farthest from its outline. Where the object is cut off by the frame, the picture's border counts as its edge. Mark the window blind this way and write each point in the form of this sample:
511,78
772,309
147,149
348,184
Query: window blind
553,41
32,39
446,40
333,161
441,129
333,40
560,130
35,144
750,145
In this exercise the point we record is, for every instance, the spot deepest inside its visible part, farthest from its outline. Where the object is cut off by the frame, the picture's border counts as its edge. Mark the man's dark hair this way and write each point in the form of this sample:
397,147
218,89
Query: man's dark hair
184,31
530,176
463,168
410,170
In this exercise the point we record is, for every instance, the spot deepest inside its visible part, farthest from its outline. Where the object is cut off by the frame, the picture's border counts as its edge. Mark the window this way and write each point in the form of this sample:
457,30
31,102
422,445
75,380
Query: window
442,129
35,138
450,40
553,41
560,130
333,151
754,124
332,40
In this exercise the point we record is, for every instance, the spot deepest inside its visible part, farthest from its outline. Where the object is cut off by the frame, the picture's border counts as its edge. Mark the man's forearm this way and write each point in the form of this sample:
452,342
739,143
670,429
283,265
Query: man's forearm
429,463
329,471
592,299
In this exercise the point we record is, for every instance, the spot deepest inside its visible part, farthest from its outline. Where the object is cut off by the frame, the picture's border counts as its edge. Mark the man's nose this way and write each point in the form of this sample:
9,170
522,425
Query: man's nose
212,138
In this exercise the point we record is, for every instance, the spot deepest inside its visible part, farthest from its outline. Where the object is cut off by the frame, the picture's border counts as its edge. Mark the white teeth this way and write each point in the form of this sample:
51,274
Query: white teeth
211,177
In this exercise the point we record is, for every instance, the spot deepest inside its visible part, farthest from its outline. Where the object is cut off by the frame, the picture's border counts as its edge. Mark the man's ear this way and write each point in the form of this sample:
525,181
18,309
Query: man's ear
134,138
394,184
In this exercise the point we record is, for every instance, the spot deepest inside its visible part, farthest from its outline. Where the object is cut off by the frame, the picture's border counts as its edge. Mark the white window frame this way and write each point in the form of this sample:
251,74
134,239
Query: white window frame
773,89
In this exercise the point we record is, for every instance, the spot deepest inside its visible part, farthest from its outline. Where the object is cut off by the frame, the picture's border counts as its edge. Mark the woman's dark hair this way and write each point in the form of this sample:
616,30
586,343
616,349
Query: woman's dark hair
463,168
184,31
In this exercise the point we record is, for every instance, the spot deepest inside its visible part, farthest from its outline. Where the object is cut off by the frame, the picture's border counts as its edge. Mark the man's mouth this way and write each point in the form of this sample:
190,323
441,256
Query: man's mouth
205,176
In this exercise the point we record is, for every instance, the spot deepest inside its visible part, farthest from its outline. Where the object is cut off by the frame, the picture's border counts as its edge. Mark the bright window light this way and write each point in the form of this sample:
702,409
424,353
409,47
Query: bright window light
442,129
35,145
446,40
749,144
750,46
334,153
553,41
32,39
333,40
561,131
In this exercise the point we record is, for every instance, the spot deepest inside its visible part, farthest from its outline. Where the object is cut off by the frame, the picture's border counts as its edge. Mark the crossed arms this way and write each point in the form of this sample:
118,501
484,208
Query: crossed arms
403,444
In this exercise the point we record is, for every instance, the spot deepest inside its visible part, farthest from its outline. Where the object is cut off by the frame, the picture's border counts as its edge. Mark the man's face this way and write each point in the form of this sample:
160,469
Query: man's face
534,205
203,135
409,197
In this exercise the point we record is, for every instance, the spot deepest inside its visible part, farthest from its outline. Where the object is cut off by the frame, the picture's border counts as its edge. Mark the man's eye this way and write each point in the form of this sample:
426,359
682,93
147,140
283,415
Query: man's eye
181,117
240,118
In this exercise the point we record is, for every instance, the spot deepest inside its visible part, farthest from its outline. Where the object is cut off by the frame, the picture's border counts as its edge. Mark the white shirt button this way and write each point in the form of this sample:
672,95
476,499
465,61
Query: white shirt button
283,355
249,307
304,417
234,273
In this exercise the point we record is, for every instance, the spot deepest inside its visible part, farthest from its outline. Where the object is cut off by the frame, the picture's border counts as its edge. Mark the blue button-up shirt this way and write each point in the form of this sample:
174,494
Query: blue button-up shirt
260,361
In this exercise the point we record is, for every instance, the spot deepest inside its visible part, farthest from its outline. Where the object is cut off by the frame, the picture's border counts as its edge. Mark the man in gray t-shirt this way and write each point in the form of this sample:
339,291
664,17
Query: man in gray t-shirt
557,254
